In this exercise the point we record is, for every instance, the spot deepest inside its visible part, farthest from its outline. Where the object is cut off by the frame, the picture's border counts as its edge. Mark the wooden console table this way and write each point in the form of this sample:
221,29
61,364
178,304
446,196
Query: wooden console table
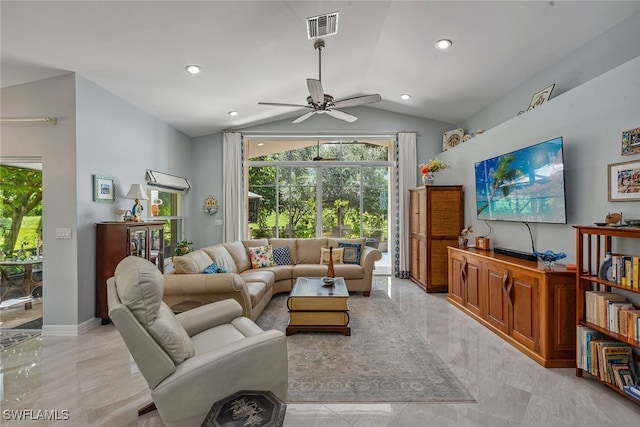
530,307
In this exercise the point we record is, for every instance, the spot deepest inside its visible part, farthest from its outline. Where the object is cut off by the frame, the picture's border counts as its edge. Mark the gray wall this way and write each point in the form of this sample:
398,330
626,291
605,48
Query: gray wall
591,119
97,133
207,155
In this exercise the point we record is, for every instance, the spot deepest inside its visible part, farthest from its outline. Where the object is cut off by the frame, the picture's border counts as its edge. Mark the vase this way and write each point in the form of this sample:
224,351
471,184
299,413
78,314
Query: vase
427,179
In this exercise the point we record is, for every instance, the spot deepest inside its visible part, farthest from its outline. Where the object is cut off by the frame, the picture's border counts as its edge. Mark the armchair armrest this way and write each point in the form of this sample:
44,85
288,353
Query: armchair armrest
369,257
207,316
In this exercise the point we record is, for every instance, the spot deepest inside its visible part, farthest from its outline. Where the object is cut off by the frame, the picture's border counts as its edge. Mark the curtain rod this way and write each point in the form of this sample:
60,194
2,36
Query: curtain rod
53,120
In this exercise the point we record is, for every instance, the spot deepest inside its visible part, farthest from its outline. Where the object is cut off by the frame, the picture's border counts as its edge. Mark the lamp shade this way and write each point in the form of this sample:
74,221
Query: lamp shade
136,192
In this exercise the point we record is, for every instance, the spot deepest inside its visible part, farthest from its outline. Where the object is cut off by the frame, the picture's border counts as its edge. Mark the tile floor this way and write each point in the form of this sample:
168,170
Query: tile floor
94,378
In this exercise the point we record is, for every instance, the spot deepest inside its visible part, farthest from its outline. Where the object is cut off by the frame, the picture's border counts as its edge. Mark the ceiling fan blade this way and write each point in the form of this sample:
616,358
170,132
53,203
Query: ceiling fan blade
280,104
357,100
341,115
315,90
304,117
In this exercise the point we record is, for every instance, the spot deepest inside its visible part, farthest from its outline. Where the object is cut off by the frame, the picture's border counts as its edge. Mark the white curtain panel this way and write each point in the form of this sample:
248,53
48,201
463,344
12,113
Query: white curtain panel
232,187
406,179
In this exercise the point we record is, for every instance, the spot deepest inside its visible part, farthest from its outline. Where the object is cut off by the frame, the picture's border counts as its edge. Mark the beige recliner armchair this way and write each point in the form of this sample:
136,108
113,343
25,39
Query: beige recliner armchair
198,357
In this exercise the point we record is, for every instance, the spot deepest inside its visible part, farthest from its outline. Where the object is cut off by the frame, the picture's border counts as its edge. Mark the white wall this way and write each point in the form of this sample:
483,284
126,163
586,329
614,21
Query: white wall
97,133
207,155
591,119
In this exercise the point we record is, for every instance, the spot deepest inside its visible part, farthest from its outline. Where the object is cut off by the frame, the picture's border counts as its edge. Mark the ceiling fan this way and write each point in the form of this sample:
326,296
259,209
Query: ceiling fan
320,102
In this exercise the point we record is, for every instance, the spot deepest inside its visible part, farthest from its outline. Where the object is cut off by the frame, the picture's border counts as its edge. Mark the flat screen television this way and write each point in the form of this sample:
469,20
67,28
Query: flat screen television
526,185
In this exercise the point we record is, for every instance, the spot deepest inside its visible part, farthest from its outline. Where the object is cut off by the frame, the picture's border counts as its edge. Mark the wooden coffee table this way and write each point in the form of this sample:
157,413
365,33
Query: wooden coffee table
314,307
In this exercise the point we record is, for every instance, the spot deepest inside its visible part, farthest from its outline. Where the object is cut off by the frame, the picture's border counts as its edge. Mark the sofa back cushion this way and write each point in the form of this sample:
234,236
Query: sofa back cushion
290,243
192,263
221,256
336,255
353,249
240,256
308,250
261,256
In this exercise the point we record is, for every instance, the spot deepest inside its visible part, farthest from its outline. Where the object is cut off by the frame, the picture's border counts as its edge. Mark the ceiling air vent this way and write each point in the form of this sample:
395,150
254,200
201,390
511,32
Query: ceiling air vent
322,25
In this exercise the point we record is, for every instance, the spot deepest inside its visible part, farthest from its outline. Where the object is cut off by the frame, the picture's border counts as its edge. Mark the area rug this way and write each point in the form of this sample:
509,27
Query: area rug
384,359
11,338
32,324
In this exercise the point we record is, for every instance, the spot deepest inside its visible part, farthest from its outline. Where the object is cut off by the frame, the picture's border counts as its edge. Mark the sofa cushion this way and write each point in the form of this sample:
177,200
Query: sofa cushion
257,291
349,271
265,276
261,256
221,256
309,270
289,243
239,254
308,250
352,252
171,335
282,272
192,263
214,269
282,256
337,254
348,243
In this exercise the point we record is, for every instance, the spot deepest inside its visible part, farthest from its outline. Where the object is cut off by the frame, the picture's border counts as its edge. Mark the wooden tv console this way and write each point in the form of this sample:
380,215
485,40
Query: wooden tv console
528,306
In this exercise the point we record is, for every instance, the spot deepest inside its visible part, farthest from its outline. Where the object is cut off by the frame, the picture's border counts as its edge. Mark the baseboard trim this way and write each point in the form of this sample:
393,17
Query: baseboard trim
69,330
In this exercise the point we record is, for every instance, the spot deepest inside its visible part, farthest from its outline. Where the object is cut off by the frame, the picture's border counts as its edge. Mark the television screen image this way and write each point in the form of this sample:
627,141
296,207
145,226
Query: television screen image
526,185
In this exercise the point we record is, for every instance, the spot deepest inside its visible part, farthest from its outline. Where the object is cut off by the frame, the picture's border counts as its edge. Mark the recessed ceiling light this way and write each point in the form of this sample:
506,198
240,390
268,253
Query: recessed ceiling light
405,96
444,44
232,113
192,69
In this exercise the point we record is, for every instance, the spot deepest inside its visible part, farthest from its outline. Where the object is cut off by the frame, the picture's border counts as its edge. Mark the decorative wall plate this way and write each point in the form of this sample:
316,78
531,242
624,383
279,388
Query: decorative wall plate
452,138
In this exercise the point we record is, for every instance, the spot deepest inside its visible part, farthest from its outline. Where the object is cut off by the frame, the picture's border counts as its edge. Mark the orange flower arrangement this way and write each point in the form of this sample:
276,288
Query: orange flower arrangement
433,165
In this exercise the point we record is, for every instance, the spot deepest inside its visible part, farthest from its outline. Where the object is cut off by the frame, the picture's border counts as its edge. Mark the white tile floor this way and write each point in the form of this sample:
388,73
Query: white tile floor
94,378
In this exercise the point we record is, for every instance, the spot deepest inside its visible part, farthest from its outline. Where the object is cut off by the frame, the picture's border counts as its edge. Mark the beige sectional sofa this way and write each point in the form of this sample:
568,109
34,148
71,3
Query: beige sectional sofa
253,288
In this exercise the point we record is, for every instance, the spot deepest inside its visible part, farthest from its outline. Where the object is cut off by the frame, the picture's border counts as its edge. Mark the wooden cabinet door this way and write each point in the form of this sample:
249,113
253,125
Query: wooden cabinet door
497,301
415,258
457,273
525,294
474,289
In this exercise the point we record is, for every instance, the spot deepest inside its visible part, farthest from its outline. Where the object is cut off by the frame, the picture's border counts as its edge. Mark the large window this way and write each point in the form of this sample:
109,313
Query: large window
314,189
167,206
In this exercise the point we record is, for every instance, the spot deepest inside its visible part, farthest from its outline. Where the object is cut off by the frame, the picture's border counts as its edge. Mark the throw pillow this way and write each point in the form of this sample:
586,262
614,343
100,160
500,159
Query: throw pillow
212,269
352,252
337,255
261,256
282,256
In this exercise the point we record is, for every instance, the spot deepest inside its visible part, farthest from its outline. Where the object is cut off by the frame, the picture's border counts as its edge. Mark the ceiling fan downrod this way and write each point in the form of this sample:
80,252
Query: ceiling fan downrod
319,45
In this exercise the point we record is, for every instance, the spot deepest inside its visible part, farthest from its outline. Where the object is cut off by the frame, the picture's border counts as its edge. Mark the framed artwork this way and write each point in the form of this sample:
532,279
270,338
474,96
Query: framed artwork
104,189
452,138
631,141
541,97
624,181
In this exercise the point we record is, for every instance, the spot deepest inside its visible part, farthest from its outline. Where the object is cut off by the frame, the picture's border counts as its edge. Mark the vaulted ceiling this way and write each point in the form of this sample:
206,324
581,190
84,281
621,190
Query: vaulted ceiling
251,51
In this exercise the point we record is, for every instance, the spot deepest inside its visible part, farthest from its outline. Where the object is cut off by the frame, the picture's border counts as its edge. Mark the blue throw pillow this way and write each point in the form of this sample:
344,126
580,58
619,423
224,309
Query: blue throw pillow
352,252
212,269
282,255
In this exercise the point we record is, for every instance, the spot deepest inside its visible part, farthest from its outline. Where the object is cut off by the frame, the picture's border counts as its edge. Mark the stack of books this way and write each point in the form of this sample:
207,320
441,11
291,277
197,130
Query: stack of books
613,312
625,270
609,360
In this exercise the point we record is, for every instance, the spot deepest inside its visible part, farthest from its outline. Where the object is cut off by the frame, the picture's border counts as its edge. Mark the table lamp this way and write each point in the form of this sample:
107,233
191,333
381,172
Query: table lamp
136,193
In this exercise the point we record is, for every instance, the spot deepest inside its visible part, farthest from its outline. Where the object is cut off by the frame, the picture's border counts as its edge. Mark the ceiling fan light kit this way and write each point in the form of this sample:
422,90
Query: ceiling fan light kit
320,102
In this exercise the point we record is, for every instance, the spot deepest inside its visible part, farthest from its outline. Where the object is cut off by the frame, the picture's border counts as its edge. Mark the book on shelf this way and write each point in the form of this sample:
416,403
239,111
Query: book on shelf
625,270
597,306
585,335
595,353
632,391
613,314
623,374
611,355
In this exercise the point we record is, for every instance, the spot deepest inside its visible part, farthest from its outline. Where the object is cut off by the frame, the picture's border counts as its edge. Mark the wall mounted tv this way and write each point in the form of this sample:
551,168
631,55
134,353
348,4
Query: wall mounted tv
526,185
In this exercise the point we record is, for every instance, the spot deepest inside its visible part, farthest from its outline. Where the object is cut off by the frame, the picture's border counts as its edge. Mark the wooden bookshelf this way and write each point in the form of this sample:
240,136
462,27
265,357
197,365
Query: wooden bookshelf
592,243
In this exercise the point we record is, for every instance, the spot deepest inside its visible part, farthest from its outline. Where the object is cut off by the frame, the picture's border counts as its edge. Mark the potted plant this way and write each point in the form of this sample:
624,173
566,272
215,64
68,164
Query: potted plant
183,247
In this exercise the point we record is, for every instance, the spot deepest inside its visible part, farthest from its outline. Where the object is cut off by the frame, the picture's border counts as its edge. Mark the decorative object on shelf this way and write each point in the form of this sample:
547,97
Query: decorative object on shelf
120,214
631,142
210,205
624,181
613,218
549,257
183,247
136,193
155,207
463,240
104,189
467,137
632,222
483,243
428,169
479,132
605,271
452,138
541,97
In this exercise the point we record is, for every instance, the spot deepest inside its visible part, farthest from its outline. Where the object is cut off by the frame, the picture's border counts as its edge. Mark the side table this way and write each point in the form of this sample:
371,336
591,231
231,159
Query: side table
247,408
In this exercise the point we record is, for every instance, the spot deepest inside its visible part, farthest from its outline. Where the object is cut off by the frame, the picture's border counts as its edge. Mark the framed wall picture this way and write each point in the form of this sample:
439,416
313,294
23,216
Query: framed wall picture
624,181
631,141
104,189
541,97
452,138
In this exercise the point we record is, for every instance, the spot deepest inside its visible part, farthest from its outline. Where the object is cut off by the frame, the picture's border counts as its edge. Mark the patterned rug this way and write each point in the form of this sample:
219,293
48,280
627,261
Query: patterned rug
12,337
384,359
